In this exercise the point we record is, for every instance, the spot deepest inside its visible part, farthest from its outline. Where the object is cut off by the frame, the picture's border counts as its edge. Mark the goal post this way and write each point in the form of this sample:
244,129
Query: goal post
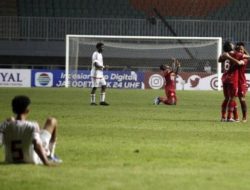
142,53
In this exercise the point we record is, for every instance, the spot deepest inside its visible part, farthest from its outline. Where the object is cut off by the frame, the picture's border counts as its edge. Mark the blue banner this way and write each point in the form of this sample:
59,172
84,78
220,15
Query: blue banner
114,79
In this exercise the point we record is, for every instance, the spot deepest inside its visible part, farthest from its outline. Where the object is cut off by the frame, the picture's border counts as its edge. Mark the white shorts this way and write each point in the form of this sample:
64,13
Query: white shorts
98,82
45,137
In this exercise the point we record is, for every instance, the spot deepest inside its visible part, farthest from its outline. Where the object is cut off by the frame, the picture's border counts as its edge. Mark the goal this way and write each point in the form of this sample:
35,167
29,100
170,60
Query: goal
143,53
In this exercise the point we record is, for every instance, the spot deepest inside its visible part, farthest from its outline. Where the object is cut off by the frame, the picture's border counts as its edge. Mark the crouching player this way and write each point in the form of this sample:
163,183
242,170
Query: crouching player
170,74
23,140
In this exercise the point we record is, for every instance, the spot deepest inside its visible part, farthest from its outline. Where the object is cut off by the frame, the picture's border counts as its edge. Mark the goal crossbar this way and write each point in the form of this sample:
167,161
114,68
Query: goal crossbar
109,37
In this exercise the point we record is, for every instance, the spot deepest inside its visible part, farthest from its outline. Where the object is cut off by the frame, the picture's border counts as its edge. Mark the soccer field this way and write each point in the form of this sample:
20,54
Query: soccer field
133,144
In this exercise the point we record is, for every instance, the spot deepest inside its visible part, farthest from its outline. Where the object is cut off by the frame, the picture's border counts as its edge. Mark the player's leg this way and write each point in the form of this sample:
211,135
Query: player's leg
232,113
243,108
157,101
171,99
224,109
163,99
224,103
103,92
94,84
230,109
167,101
242,99
49,136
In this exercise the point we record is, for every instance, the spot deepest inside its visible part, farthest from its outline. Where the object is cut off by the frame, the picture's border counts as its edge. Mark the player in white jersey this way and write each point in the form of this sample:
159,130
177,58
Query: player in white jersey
23,140
97,77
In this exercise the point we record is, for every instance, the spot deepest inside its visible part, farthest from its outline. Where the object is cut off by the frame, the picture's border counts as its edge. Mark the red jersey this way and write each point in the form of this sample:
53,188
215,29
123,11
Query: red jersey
231,74
169,80
242,71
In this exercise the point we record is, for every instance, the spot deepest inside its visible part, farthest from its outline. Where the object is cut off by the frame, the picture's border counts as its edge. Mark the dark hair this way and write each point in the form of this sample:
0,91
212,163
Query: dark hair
240,44
20,104
163,67
99,44
227,46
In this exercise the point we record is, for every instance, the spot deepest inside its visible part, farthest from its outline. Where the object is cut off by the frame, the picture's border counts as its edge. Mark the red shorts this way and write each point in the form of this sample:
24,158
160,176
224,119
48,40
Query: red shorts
242,90
171,98
230,90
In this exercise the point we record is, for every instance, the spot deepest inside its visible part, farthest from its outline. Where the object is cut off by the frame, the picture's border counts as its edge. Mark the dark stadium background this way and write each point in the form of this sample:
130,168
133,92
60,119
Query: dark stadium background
32,32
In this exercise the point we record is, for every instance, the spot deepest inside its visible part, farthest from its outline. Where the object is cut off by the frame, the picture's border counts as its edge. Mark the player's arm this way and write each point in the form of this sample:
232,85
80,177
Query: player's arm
98,65
177,66
245,56
2,126
225,56
38,147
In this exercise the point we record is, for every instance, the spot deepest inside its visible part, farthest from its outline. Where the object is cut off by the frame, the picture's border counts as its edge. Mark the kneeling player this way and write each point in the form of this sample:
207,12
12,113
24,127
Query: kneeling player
170,78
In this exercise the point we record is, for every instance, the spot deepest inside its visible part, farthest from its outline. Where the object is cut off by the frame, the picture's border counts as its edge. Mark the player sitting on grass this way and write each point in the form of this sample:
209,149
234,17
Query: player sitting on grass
23,140
170,80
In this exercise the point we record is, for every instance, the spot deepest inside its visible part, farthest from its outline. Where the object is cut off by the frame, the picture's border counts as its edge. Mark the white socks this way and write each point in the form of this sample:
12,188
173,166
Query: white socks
92,98
102,97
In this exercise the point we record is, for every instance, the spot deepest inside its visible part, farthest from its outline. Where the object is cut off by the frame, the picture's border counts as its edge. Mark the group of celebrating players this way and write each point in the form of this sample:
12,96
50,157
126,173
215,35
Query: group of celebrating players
234,61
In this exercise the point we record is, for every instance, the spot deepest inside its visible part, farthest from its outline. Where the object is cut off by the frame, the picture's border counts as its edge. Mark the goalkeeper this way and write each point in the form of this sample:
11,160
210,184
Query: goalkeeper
170,74
97,78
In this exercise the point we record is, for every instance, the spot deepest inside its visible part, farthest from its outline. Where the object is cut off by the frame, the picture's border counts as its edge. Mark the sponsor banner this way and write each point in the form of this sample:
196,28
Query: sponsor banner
15,78
187,81
114,79
184,81
44,79
248,81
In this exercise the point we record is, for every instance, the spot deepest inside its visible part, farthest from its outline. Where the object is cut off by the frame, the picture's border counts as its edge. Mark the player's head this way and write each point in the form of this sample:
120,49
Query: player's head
228,46
99,46
162,67
240,47
20,104
165,68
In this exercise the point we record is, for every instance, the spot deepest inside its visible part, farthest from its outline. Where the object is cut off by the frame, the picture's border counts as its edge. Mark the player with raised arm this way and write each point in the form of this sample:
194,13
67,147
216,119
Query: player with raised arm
23,140
97,78
231,61
170,84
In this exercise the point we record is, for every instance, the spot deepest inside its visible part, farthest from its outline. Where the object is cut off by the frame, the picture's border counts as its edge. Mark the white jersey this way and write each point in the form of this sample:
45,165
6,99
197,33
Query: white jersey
18,139
97,58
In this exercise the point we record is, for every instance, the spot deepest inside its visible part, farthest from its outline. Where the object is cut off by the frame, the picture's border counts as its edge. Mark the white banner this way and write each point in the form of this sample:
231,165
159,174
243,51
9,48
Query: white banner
15,78
196,82
188,81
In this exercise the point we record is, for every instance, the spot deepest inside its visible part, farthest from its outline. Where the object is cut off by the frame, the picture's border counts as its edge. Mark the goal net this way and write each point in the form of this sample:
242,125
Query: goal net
143,53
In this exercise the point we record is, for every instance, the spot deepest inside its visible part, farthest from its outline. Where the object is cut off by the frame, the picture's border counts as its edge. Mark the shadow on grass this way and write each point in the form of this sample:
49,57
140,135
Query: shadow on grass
2,163
185,120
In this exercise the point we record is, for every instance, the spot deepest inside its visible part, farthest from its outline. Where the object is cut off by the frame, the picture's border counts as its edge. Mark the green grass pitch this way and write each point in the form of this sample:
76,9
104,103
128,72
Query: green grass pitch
133,144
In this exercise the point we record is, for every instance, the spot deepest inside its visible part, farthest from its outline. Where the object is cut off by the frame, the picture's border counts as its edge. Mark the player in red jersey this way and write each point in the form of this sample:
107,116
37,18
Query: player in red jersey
170,80
231,61
242,83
